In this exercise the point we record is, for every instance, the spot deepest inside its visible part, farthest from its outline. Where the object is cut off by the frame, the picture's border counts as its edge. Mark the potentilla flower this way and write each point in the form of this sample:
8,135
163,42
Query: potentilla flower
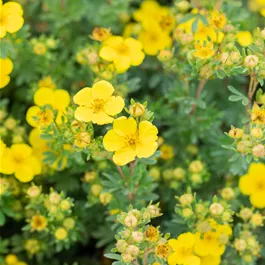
244,38
97,104
163,250
253,184
154,39
38,223
100,34
6,67
204,51
257,114
11,19
217,19
122,52
20,161
183,250
151,234
60,233
129,140
251,61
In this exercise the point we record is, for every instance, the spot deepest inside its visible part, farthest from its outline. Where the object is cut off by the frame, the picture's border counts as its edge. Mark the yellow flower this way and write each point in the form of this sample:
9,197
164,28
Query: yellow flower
204,51
39,48
183,250
59,99
163,251
82,139
212,242
257,114
128,140
210,260
151,234
150,11
32,246
38,222
100,34
122,52
131,29
20,161
217,19
97,104
154,39
167,152
6,67
244,38
11,259
253,184
47,82
60,233
11,19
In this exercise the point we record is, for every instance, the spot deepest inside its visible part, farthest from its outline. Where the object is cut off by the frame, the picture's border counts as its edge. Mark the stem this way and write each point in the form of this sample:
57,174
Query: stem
145,257
198,93
120,171
251,91
218,4
132,166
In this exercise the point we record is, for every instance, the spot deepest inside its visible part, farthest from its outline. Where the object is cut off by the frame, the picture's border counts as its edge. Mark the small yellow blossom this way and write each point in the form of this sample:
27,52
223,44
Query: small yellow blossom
11,259
100,34
244,38
257,114
253,184
217,19
167,152
38,223
82,139
20,161
97,104
129,140
183,250
60,233
122,52
39,48
204,51
151,234
163,250
47,82
11,18
6,67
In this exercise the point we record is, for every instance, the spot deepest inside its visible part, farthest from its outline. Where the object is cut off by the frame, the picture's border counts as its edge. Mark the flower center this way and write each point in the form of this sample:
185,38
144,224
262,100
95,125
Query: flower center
186,251
261,186
131,140
98,105
123,49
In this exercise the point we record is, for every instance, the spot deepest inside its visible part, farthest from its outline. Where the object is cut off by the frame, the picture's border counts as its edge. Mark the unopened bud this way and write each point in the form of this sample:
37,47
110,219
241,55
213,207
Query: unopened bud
137,109
251,61
216,209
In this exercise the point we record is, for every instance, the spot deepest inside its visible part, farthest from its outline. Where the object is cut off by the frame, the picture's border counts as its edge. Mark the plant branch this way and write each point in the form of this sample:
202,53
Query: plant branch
218,4
120,171
251,91
198,93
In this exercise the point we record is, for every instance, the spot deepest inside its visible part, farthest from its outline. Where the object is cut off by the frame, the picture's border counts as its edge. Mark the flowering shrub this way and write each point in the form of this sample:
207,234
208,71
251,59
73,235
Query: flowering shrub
132,132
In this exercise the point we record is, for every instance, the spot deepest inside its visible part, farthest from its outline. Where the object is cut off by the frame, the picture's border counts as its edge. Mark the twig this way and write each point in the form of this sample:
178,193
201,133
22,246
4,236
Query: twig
145,257
198,93
218,4
132,166
120,171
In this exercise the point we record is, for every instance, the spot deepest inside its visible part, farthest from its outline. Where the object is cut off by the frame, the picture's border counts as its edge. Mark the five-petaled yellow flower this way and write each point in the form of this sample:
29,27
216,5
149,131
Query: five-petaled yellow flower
129,140
204,51
122,52
183,250
38,223
253,184
20,161
11,19
6,67
97,104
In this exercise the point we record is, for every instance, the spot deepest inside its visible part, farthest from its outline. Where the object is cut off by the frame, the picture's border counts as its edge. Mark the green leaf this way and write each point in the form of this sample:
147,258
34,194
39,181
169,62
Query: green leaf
2,219
112,256
187,18
234,91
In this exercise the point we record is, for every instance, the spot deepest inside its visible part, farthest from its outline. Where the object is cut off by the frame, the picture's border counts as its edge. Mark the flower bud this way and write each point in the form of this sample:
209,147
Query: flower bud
82,139
121,245
89,176
258,150
245,213
196,166
4,185
257,219
10,123
127,258
33,191
187,212
165,55
203,227
251,61
240,245
196,178
137,109
200,208
243,146
186,199
153,210
137,236
155,173
65,205
179,173
130,221
228,193
133,250
256,132
60,233
236,133
69,223
54,198
96,189
216,209
105,198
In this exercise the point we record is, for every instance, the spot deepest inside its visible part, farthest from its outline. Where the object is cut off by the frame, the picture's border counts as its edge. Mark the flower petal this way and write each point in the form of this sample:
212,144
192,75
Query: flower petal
61,99
83,97
107,53
102,90
84,114
101,118
122,63
114,105
257,199
32,112
13,23
43,96
146,149
4,80
112,141
256,169
123,126
6,66
124,156
24,173
246,185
